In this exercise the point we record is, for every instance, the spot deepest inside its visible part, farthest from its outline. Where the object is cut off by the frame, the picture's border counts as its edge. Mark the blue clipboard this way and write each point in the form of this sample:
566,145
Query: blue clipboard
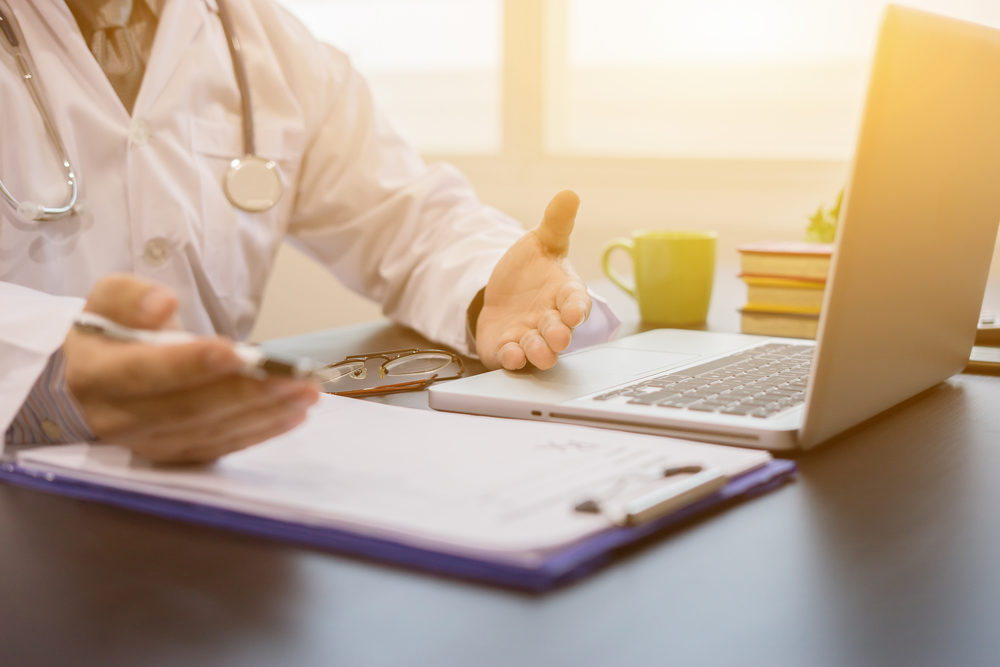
558,568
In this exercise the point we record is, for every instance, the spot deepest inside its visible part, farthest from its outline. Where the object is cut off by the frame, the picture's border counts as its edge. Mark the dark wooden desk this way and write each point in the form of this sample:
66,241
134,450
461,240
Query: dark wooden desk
885,551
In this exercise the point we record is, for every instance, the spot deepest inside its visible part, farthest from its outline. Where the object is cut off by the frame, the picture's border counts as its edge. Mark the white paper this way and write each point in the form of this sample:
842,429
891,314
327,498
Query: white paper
482,486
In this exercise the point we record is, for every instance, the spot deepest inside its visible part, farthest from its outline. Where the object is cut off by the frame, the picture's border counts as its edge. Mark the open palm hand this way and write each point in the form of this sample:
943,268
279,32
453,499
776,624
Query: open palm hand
534,299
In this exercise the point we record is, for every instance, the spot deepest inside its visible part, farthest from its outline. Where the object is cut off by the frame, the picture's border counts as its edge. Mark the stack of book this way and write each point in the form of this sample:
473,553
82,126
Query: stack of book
785,282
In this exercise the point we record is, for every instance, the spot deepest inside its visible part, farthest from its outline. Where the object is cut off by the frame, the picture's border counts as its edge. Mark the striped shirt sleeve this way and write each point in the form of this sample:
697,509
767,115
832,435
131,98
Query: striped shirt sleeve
50,415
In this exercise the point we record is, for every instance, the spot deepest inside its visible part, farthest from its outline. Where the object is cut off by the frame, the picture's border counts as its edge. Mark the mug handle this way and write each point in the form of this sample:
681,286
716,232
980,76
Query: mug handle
628,246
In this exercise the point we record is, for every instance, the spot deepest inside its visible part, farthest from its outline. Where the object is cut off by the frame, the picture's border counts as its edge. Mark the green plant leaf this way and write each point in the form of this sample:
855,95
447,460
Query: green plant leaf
822,226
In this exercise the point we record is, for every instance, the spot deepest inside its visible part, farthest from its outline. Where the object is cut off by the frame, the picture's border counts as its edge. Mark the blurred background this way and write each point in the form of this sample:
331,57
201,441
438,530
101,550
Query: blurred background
733,115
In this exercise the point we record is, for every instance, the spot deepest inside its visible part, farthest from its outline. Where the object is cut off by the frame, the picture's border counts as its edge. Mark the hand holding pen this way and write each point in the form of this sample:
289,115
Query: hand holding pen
170,396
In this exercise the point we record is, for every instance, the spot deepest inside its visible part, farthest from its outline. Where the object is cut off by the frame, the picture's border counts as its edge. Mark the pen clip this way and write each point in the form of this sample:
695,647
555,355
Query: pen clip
663,500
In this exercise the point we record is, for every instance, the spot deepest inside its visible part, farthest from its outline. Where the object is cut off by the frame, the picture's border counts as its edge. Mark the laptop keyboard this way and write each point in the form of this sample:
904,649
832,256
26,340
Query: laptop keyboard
760,382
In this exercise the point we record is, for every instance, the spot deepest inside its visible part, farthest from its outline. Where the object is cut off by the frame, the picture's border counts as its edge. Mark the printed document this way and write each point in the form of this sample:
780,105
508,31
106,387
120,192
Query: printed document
478,486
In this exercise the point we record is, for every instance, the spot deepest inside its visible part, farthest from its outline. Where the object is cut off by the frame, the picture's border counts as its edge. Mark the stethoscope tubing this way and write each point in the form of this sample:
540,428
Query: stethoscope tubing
242,81
13,43
11,33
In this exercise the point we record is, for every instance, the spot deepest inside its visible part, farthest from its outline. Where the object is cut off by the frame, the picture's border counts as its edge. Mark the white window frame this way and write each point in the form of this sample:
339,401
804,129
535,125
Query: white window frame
747,199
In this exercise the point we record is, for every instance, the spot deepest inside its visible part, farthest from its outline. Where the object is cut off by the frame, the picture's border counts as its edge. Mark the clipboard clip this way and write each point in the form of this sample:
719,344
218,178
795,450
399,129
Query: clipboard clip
698,483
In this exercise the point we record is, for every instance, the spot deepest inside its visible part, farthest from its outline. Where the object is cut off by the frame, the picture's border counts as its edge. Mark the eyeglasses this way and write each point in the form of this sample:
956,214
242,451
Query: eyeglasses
389,372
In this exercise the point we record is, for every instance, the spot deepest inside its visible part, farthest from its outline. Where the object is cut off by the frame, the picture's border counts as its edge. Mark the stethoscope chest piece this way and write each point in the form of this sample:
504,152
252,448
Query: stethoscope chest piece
253,184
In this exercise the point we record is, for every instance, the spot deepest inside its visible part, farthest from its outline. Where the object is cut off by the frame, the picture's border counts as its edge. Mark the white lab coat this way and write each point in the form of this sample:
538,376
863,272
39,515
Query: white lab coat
358,199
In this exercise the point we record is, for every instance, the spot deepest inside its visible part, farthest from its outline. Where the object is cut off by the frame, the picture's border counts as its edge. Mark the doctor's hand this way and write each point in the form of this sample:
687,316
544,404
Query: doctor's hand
534,299
182,403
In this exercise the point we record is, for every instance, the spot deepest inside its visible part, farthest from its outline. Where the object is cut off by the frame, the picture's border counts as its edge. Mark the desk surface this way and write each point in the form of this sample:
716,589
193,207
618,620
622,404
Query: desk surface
885,551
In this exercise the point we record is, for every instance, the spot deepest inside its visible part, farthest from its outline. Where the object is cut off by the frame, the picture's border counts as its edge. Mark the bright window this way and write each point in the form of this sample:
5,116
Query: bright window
434,65
754,79
716,78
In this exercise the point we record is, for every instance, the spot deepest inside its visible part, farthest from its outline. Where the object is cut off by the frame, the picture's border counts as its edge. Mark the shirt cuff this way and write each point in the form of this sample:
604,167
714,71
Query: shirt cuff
472,319
50,415
601,326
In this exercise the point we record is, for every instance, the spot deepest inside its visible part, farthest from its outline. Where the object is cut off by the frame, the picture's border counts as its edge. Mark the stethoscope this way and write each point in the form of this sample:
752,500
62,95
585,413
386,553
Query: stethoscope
252,183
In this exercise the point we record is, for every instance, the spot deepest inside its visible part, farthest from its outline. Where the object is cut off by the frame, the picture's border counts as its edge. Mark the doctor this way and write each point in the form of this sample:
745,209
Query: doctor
156,153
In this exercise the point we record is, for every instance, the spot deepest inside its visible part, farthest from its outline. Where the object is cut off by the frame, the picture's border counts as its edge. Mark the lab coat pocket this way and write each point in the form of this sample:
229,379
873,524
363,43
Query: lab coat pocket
237,247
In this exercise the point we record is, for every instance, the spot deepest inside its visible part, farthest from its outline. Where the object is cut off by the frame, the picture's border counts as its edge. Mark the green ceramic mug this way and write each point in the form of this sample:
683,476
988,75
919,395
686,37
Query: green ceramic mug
672,274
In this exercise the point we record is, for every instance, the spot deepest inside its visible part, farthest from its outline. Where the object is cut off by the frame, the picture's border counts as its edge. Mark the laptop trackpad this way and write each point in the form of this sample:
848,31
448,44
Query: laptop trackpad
575,375
602,367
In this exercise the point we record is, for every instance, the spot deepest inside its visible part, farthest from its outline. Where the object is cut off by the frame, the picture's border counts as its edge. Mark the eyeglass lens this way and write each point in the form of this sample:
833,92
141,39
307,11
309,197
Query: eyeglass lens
379,370
416,364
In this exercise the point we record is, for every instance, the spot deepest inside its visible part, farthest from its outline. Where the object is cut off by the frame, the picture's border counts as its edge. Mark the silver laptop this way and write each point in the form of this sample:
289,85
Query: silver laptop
906,284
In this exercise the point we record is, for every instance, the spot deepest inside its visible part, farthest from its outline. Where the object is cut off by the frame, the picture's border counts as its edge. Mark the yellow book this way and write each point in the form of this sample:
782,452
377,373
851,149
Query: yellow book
784,294
790,325
786,259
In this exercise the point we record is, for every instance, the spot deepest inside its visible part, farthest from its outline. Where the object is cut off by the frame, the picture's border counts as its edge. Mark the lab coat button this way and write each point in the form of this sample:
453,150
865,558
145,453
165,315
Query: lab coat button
52,429
157,251
140,133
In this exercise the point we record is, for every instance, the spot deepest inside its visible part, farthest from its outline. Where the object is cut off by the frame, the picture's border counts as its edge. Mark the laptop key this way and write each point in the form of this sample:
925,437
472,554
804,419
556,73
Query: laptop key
672,404
653,398
759,382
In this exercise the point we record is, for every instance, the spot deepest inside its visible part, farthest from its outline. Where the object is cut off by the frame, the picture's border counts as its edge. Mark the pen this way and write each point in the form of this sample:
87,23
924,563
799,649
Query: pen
255,362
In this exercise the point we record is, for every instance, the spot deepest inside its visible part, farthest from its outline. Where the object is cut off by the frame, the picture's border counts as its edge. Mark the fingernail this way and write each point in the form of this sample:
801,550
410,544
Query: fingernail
511,346
219,360
302,404
304,396
281,387
155,302
294,420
